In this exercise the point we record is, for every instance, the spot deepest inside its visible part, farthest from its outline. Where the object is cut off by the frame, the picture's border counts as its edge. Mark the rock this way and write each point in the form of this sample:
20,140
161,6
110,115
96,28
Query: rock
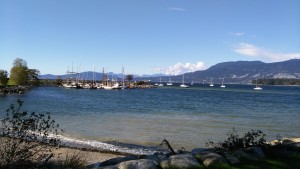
137,164
231,159
293,146
198,151
275,142
156,157
210,159
180,161
250,153
107,167
289,140
286,141
115,161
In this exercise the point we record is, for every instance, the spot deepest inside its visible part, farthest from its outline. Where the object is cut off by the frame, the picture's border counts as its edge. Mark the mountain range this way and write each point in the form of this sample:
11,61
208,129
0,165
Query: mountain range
232,72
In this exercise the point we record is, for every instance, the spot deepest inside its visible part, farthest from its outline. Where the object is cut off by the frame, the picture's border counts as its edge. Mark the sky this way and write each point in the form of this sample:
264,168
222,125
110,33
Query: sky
146,36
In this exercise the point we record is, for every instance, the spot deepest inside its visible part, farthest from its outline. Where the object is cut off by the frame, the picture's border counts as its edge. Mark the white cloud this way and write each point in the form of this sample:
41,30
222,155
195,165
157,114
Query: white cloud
251,50
180,68
176,9
238,33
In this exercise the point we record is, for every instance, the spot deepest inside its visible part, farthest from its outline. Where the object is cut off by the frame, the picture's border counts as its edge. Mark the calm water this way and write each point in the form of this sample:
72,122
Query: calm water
186,117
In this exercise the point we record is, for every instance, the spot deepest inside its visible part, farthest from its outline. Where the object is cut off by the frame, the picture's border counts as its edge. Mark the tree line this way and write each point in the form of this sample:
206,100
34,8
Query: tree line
282,82
20,74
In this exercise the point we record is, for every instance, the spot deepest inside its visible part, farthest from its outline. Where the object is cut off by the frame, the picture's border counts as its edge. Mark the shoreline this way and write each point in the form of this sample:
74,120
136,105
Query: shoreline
14,90
94,157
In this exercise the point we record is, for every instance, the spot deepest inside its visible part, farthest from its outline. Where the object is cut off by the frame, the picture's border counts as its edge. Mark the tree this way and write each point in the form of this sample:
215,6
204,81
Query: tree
19,63
20,74
129,77
33,75
3,77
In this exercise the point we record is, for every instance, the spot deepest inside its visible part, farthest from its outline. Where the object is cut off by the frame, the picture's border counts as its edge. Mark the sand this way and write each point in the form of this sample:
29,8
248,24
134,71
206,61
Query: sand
90,156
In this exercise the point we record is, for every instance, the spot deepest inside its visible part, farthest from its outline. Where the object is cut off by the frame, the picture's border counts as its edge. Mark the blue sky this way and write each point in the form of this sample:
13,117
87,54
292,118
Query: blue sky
146,36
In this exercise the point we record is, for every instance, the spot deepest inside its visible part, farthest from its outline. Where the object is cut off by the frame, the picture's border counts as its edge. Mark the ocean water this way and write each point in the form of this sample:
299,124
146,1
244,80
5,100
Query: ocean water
185,117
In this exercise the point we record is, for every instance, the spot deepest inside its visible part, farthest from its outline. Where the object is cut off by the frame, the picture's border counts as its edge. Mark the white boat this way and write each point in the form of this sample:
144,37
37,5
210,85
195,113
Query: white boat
170,82
183,85
160,84
107,87
66,85
223,86
211,83
116,86
257,87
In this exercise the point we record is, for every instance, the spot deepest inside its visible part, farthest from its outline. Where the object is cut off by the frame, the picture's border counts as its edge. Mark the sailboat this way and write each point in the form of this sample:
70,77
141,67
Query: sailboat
211,83
107,86
123,80
223,86
160,84
170,82
183,85
257,87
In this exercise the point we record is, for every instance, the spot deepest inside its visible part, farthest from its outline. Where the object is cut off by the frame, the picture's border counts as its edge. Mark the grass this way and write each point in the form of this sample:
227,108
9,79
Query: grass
74,161
11,83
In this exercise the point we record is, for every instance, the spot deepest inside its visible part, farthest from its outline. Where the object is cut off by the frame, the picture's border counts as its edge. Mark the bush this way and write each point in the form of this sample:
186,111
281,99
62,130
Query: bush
74,161
234,141
25,137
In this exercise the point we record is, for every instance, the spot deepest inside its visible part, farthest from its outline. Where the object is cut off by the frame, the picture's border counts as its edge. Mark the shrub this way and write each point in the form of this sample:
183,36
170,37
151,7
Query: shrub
74,161
234,141
25,137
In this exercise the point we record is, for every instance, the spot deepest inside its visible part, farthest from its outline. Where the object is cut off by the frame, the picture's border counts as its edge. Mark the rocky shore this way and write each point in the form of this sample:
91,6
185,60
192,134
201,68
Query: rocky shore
14,90
199,157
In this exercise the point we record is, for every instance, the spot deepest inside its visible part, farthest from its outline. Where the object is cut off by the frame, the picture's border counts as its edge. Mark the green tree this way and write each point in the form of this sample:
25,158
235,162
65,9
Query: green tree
3,77
19,63
19,75
129,77
33,75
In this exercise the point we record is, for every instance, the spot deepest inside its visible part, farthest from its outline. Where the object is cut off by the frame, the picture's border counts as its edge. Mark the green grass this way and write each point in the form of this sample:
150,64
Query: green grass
11,83
271,163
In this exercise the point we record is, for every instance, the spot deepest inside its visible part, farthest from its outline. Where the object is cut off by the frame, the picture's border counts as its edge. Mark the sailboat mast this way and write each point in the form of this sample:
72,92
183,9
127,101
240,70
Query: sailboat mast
123,76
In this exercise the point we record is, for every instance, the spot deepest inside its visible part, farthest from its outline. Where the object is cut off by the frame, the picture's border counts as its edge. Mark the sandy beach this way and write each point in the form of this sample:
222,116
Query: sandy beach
90,156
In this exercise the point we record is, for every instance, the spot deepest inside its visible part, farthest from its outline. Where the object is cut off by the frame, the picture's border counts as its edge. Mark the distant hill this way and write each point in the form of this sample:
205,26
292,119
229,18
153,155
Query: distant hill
241,72
233,72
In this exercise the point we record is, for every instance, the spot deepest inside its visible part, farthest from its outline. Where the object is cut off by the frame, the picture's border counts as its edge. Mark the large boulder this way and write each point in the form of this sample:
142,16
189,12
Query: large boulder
156,157
250,153
198,151
115,161
180,161
137,164
231,159
210,159
108,167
